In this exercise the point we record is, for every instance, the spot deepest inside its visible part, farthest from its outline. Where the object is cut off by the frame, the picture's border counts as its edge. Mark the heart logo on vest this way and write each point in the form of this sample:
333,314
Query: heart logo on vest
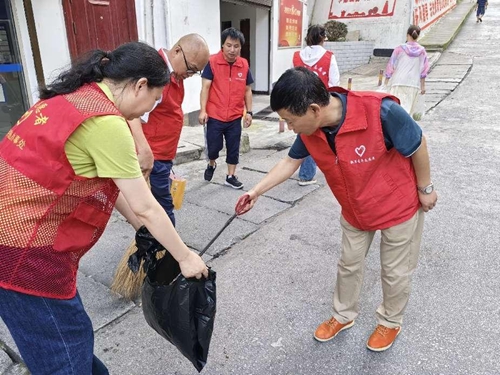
360,150
240,75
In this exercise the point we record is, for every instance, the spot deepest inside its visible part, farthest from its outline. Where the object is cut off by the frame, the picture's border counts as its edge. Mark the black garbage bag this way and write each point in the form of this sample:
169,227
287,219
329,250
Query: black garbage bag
181,310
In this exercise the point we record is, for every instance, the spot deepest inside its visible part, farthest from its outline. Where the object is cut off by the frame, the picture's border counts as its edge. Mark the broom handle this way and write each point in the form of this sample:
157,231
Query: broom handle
218,234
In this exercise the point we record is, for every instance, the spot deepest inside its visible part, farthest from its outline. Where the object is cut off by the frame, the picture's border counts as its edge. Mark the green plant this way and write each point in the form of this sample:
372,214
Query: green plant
335,31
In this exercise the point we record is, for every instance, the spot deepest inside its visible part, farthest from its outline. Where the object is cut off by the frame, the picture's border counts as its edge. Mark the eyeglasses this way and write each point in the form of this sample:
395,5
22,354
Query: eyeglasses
189,70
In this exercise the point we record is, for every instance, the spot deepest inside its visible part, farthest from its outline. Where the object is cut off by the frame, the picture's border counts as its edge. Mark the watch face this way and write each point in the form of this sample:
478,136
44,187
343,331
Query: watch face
428,189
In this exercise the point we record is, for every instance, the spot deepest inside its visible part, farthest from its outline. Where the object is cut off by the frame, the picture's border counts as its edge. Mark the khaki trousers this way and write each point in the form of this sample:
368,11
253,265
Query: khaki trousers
399,248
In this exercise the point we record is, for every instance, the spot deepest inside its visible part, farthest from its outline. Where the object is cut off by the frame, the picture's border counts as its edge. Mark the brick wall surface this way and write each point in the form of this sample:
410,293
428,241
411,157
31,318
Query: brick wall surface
350,55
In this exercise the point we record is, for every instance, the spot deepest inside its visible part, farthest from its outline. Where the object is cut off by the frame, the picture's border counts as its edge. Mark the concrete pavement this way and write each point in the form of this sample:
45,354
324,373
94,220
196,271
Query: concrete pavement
266,261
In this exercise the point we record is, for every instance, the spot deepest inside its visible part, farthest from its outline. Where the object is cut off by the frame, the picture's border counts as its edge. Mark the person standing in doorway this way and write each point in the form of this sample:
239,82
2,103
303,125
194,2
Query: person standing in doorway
406,71
157,133
225,95
322,62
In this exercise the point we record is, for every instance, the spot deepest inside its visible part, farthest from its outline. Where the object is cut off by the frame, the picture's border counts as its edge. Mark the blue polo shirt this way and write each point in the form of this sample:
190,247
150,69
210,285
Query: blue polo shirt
400,130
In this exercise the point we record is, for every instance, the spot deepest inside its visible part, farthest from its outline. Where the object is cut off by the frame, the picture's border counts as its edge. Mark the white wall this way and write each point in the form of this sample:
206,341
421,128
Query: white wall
52,37
350,55
25,50
386,32
261,64
168,20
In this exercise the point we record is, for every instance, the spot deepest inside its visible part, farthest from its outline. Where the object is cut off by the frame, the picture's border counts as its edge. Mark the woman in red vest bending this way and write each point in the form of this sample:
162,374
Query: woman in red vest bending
322,62
62,167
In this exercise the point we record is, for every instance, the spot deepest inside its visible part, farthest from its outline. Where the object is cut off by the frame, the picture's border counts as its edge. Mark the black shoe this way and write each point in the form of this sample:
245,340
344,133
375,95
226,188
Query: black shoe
209,172
233,182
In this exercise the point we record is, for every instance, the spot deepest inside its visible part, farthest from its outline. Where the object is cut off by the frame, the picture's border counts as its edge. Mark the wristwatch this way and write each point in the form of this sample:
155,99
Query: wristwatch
427,189
250,113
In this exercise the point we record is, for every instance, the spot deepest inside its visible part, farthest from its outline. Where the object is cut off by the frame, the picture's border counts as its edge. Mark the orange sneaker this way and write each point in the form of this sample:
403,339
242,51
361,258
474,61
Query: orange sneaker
382,338
330,328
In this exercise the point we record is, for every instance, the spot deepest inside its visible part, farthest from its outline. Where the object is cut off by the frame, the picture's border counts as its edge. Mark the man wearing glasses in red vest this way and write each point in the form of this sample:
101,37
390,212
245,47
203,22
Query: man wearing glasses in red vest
157,133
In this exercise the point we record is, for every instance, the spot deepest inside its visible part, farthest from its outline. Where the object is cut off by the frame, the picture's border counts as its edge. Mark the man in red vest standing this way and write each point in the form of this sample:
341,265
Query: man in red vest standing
375,160
157,133
225,95
322,62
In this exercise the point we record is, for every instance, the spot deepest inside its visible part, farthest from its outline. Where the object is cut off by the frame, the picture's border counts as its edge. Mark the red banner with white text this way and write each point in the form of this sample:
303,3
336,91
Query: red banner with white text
290,23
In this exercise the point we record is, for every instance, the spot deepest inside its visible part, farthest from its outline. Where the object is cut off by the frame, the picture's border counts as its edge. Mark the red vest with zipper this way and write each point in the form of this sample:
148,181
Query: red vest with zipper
49,216
164,126
321,68
376,188
226,98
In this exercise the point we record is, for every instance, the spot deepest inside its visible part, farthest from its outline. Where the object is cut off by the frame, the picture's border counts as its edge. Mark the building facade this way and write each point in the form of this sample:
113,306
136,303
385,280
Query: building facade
39,38
383,21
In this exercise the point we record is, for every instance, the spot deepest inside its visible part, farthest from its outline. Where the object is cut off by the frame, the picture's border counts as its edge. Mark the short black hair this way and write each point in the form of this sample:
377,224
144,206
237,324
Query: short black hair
297,89
232,33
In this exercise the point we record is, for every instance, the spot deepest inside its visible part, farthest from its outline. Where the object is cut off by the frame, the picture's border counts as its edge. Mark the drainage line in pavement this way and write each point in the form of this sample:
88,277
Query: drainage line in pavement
458,84
11,353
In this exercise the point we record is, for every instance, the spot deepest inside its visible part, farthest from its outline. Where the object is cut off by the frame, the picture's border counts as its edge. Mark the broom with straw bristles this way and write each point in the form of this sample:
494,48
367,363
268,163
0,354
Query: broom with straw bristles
125,282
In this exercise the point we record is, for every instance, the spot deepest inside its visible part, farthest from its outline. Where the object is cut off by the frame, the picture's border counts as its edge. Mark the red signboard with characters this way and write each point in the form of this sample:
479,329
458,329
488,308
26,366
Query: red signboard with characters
290,23
425,12
361,8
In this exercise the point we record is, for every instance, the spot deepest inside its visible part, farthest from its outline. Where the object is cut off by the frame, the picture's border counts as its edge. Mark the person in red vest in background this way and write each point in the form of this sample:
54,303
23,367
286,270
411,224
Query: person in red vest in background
62,167
322,62
375,160
225,94
157,133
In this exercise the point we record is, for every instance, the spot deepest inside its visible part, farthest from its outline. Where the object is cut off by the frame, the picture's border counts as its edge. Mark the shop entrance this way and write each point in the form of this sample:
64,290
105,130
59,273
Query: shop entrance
13,102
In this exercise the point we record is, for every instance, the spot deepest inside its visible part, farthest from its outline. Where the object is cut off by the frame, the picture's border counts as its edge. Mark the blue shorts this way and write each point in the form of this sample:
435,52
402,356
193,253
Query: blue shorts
216,132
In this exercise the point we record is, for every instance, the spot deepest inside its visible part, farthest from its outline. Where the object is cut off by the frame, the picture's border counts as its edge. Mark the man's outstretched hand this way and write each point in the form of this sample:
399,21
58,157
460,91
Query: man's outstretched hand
245,203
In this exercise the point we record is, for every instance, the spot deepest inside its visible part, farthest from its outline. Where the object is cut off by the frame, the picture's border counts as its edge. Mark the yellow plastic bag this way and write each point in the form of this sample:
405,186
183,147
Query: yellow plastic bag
177,188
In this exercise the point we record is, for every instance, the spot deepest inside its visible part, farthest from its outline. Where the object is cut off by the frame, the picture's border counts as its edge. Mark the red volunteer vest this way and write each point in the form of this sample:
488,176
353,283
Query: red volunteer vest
321,68
226,98
164,126
376,188
49,216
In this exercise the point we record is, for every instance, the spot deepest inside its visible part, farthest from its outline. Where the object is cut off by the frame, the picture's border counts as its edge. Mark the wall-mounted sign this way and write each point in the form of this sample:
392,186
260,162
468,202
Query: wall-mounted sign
361,8
290,23
425,12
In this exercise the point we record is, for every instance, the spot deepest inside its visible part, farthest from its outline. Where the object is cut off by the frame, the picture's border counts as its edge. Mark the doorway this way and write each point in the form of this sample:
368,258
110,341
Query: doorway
13,98
254,22
245,49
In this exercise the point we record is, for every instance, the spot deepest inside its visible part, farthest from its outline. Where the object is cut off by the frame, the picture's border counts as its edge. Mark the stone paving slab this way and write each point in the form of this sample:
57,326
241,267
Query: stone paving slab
455,59
444,31
101,261
223,199
187,152
266,135
102,306
195,232
5,362
7,338
436,86
289,191
264,165
447,71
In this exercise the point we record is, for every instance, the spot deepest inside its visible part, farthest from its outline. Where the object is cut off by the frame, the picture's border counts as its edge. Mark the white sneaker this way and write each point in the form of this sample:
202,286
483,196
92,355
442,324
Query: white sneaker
307,182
